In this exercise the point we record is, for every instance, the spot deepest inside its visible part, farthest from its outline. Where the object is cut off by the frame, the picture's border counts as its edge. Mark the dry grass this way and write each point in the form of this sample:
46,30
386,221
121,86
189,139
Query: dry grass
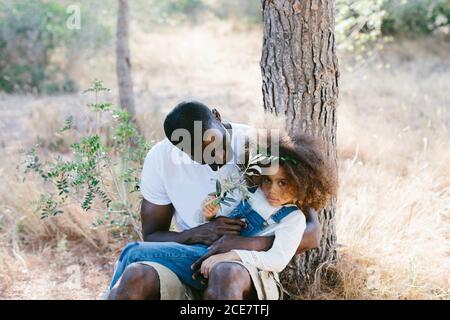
394,202
393,216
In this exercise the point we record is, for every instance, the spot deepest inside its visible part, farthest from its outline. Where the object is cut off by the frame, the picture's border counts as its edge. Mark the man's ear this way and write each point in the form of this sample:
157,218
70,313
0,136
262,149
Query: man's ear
216,114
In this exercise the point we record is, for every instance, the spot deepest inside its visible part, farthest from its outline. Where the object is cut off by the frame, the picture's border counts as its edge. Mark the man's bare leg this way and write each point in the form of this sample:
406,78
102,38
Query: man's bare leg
138,282
230,281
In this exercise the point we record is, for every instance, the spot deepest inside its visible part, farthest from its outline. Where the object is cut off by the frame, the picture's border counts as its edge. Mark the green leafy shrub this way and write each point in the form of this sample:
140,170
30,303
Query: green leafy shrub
420,17
31,33
101,172
361,24
358,23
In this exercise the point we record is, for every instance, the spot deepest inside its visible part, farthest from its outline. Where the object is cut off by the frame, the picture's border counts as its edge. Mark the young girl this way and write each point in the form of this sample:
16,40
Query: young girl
302,179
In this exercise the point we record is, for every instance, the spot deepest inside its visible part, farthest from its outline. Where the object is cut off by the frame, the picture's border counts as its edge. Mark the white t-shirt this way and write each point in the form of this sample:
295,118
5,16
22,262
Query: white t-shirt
169,176
288,234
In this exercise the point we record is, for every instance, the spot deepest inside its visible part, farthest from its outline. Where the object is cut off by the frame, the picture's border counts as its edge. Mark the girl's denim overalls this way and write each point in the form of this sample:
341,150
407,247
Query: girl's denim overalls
179,257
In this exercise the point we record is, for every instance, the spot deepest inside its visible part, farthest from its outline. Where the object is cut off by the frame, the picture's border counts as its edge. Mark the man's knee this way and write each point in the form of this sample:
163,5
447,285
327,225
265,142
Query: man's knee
229,281
138,282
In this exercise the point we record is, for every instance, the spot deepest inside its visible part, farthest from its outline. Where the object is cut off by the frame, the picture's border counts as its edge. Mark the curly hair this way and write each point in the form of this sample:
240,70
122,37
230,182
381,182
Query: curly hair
312,175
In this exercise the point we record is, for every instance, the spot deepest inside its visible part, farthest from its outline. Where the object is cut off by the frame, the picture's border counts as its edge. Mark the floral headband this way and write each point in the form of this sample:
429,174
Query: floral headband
285,158
289,159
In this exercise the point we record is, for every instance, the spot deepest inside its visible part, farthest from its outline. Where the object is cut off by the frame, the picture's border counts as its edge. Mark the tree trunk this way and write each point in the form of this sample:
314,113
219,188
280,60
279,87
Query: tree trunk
300,81
123,62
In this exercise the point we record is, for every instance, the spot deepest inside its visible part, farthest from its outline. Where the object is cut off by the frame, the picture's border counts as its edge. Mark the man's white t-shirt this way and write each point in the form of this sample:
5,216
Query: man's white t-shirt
170,176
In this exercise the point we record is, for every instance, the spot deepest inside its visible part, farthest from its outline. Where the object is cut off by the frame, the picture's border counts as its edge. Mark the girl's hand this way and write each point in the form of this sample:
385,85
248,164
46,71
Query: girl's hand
209,263
209,208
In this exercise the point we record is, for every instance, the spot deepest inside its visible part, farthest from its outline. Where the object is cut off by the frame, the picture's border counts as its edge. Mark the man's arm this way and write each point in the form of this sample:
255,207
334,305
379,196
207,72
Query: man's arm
156,221
310,240
312,234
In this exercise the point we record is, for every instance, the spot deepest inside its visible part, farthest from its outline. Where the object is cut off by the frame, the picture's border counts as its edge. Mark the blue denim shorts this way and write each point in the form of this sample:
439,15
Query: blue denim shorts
175,256
179,257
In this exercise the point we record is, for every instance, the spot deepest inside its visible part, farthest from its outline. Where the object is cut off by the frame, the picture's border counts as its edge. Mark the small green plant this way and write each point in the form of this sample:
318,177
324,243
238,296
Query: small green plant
101,172
239,182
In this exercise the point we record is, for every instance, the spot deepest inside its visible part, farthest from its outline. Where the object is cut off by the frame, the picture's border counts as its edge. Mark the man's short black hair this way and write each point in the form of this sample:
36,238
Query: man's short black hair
185,114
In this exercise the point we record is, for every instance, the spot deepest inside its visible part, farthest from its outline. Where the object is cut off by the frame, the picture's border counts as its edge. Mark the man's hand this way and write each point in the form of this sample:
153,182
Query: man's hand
230,242
312,235
210,232
156,222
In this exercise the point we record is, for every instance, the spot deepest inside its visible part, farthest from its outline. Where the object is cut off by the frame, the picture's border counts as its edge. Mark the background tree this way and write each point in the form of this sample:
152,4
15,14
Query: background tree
300,81
123,61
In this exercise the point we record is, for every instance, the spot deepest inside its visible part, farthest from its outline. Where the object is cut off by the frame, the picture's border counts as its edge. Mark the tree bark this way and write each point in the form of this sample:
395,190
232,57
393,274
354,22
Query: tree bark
300,81
123,61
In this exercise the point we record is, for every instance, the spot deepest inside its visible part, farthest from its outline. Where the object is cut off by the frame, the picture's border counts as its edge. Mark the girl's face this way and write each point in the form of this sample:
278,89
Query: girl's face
278,188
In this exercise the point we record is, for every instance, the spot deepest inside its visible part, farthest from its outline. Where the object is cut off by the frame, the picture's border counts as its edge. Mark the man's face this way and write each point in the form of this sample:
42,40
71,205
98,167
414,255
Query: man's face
209,144
216,147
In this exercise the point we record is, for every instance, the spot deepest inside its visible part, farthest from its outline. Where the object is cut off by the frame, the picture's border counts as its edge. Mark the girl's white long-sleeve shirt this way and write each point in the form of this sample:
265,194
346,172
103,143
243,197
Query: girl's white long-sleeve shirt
288,234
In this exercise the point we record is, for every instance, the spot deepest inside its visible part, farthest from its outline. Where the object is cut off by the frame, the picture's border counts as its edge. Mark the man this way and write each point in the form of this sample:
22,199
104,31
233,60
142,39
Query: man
176,178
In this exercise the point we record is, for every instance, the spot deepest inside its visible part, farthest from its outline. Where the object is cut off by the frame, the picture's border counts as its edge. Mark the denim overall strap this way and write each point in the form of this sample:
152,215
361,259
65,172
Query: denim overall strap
282,213
253,189
254,223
